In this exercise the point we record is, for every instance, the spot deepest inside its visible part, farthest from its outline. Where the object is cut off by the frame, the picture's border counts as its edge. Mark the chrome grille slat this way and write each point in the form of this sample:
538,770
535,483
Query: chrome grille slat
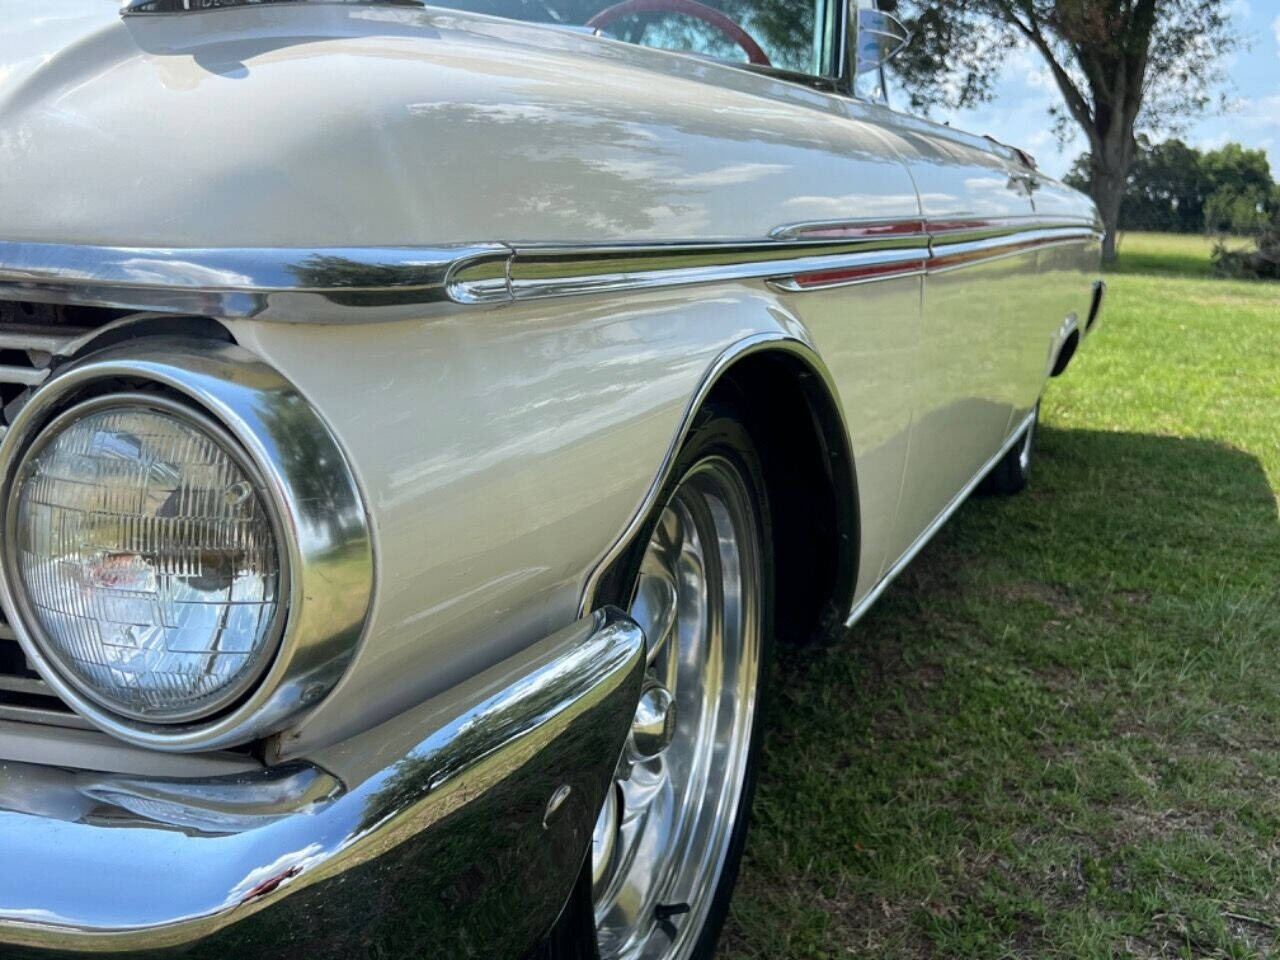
27,376
23,693
31,685
24,696
43,715
52,340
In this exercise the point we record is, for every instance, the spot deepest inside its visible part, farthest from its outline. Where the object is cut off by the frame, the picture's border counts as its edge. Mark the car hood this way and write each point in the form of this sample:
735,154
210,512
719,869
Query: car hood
341,125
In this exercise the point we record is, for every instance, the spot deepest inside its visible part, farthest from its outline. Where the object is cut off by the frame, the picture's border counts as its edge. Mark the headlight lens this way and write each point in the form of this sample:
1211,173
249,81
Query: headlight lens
148,559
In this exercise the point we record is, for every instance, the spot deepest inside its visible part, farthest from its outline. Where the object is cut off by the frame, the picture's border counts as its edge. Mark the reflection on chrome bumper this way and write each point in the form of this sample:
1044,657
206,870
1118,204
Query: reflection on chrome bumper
461,841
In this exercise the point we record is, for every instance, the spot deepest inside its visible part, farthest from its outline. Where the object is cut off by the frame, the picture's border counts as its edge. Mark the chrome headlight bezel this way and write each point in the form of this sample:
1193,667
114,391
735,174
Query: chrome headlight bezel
324,541
165,404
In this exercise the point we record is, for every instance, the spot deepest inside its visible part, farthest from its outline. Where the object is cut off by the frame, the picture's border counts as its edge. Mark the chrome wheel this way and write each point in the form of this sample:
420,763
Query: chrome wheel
661,840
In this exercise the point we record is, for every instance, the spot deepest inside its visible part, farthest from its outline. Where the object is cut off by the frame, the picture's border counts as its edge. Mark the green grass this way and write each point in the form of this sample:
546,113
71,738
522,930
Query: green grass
1170,254
1058,733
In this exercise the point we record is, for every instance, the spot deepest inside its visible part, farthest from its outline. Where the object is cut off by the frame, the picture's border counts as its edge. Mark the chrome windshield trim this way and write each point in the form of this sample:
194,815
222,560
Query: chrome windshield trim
355,284
133,8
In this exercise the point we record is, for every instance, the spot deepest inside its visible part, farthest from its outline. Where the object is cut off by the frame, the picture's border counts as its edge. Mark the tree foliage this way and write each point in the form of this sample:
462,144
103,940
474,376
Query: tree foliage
1174,187
1163,54
1119,65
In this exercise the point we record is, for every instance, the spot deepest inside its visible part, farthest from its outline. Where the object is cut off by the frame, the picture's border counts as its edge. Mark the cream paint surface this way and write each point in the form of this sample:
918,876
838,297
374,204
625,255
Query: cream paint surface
330,126
503,450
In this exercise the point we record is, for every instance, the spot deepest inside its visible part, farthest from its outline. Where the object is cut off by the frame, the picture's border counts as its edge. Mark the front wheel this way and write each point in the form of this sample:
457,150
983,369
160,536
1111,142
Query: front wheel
665,850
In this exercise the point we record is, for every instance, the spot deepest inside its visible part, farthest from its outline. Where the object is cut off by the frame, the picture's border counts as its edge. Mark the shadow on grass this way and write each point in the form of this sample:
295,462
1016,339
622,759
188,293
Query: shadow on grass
1029,743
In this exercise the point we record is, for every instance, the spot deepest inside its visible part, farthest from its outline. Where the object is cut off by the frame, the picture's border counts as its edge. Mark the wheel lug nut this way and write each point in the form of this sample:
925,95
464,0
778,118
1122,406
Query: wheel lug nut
654,724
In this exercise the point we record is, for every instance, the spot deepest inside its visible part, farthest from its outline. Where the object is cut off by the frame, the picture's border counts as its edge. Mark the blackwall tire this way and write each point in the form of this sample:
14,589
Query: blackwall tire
1013,471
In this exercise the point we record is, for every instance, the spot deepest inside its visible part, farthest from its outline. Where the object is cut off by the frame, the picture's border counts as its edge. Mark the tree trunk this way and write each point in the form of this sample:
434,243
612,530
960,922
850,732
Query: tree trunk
1111,158
1108,193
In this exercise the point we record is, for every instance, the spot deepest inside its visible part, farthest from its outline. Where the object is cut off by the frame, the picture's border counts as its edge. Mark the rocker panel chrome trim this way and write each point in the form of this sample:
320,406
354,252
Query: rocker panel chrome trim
863,605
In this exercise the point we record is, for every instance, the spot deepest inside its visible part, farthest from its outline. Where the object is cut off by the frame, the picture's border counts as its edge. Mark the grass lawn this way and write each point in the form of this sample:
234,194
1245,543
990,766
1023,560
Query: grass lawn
1058,733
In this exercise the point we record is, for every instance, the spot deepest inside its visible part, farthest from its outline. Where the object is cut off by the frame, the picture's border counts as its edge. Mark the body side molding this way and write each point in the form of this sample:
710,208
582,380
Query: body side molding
376,283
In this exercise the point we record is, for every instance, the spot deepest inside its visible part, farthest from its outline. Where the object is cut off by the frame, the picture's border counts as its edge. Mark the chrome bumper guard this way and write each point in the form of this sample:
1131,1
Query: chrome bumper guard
454,830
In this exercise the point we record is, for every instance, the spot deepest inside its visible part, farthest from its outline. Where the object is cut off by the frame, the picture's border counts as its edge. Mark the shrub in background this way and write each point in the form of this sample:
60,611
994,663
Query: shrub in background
1262,262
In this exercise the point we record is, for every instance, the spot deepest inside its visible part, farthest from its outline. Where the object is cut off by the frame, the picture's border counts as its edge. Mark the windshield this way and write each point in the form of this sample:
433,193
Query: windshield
786,34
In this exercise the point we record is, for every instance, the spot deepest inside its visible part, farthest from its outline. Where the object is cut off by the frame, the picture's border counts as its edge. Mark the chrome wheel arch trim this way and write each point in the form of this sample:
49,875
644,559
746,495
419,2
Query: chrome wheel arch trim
836,436
327,542
353,284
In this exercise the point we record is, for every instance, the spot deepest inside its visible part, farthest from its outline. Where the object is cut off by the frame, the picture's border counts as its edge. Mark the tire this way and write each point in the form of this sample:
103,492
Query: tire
1011,474
716,478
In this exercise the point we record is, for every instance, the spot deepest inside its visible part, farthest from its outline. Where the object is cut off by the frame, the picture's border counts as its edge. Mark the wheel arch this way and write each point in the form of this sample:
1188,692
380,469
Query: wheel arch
796,420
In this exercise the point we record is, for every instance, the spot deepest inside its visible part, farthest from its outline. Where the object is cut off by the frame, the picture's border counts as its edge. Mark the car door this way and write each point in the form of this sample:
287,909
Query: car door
1066,270
978,291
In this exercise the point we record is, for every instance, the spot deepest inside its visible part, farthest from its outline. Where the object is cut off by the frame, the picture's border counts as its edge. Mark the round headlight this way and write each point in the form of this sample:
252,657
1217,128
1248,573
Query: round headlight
147,558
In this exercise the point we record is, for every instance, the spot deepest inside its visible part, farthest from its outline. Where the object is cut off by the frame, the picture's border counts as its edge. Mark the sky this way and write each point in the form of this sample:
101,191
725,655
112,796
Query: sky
1019,114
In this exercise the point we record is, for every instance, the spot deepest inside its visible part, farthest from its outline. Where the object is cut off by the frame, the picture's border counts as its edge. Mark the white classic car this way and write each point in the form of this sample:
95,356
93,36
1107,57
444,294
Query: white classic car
419,426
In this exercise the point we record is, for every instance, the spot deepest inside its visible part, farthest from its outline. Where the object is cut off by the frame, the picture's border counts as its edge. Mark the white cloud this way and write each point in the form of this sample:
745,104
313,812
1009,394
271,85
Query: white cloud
1263,112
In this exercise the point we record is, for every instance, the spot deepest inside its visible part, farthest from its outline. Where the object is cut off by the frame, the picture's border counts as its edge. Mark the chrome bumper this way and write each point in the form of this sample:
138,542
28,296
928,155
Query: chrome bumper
463,839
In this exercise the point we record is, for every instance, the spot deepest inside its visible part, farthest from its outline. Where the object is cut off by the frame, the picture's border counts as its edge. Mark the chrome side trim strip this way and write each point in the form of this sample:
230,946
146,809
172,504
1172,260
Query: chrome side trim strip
340,284
285,283
849,229
536,273
863,605
963,253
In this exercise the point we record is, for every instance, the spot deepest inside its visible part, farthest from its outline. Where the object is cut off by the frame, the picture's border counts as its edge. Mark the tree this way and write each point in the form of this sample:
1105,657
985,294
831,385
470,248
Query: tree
1241,191
1166,187
1172,186
1118,64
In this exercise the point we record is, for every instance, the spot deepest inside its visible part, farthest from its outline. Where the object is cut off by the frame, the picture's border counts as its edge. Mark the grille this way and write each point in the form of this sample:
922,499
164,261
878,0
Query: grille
31,336
23,695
